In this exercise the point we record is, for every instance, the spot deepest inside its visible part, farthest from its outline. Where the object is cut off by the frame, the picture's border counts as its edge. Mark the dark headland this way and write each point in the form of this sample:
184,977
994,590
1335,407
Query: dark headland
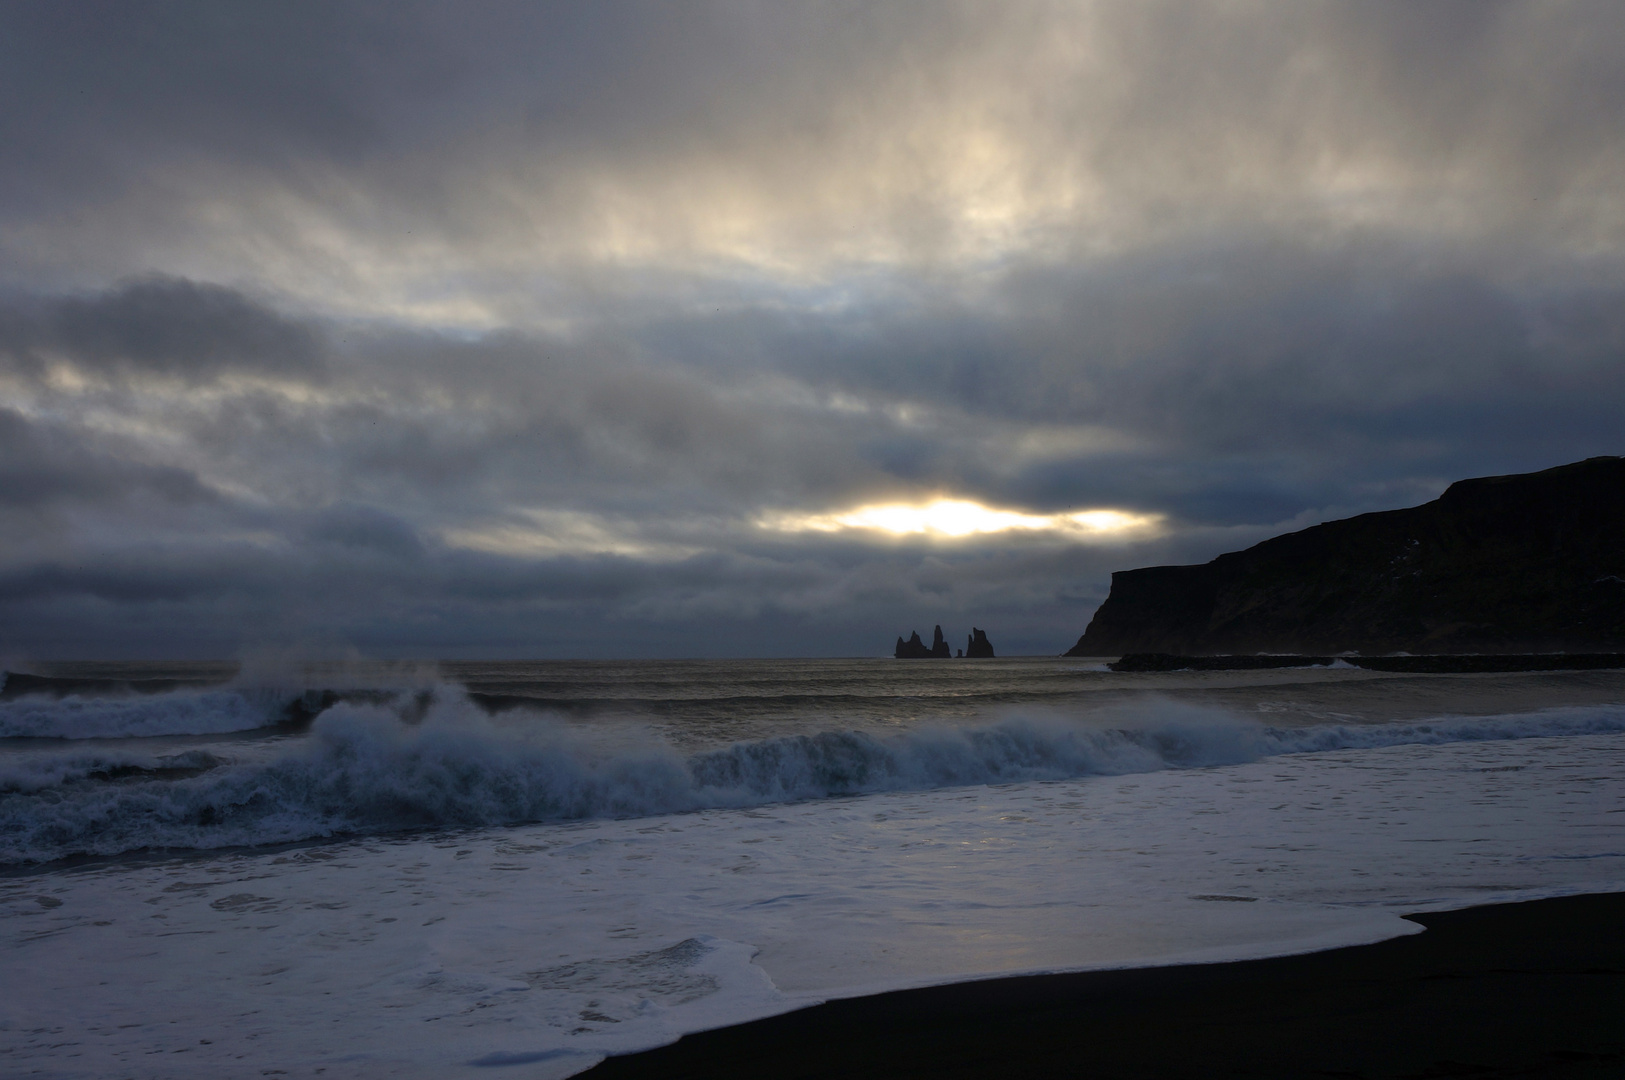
1531,563
1535,989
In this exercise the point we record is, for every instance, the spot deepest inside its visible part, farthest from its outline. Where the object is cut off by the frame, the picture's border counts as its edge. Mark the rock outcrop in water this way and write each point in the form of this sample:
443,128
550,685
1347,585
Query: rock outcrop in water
915,649
912,649
1430,662
978,646
1529,563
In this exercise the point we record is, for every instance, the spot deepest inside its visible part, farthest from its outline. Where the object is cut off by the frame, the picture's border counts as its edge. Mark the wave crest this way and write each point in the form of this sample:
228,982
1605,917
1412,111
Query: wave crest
371,768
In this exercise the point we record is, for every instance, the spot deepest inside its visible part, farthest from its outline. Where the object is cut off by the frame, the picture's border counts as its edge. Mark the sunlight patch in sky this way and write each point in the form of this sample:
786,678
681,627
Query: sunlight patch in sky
958,518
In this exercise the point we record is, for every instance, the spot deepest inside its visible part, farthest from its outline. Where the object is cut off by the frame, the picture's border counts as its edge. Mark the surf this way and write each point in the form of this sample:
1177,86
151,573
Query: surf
422,760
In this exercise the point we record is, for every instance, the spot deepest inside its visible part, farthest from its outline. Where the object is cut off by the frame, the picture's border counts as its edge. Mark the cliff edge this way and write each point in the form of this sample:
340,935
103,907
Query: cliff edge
1528,563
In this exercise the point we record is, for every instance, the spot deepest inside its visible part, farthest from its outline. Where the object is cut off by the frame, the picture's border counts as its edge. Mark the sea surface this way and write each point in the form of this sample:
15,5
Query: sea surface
377,870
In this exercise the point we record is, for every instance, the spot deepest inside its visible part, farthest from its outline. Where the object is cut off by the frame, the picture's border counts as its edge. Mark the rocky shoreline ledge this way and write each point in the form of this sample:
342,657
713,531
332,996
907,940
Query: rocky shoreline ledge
1428,663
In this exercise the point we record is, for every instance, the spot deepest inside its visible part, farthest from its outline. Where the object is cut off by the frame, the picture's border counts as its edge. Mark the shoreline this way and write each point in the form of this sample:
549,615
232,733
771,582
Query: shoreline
1420,664
1526,988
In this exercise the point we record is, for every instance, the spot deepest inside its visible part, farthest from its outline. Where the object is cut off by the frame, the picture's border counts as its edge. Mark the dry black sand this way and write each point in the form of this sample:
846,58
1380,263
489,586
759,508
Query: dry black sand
1530,989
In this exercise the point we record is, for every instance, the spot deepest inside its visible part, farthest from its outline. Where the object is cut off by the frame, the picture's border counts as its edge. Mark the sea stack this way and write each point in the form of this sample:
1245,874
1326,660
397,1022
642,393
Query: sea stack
915,649
978,646
912,649
1530,563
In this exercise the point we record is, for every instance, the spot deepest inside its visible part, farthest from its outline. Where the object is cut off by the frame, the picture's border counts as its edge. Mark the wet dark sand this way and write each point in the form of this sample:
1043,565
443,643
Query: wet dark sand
1530,989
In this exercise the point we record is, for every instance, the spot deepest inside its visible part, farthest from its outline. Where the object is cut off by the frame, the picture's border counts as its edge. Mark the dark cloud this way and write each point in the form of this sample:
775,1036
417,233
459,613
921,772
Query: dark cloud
420,486
366,528
515,328
43,466
160,326
474,161
178,327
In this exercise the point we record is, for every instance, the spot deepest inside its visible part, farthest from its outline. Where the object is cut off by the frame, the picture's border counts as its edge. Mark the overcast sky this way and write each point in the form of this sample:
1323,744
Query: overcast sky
711,329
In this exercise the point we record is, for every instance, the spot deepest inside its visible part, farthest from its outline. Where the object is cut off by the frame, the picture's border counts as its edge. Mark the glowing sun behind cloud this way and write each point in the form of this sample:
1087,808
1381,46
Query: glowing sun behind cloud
959,518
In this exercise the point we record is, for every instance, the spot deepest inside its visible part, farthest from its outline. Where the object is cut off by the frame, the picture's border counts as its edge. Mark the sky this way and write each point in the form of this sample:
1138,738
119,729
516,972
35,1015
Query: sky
766,329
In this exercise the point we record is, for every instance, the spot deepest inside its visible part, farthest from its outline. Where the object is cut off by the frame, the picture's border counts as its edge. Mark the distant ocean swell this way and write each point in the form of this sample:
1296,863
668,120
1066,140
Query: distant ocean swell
376,768
178,712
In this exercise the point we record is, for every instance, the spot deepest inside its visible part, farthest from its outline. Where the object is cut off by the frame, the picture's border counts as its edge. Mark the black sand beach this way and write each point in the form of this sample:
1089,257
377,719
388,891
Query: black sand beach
1532,989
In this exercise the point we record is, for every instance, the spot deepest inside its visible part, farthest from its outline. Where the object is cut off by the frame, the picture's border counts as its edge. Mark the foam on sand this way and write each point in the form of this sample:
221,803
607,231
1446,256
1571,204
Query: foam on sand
546,946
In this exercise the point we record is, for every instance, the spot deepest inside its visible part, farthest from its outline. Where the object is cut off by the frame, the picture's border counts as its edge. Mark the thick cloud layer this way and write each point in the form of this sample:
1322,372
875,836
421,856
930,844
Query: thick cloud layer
522,329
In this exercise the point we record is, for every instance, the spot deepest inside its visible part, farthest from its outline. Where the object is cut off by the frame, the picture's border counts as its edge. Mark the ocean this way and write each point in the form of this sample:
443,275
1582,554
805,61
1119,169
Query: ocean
371,870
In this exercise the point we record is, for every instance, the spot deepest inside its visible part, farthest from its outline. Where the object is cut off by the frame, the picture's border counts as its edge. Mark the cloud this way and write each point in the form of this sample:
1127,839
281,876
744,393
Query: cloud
426,493
172,326
504,328
485,168
41,467
155,326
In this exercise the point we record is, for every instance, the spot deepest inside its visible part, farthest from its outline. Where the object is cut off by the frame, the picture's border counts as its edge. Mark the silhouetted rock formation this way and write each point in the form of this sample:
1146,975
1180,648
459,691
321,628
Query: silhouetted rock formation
1432,662
914,648
1503,564
978,646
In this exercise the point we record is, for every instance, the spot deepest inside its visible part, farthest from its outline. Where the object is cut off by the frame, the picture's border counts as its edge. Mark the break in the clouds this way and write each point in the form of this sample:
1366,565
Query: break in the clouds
574,330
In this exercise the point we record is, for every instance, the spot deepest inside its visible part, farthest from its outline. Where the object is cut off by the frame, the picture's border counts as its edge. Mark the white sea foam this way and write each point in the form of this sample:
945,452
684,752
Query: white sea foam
536,950
368,769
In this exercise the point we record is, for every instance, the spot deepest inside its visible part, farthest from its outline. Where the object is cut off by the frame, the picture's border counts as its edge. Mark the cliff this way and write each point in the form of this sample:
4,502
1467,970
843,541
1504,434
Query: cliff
1527,563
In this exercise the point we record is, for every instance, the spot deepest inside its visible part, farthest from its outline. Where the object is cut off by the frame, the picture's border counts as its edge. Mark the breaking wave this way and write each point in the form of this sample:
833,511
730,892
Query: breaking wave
374,768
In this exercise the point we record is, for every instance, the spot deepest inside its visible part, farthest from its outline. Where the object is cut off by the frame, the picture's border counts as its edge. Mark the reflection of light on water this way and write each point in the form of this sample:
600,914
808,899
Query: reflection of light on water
962,517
